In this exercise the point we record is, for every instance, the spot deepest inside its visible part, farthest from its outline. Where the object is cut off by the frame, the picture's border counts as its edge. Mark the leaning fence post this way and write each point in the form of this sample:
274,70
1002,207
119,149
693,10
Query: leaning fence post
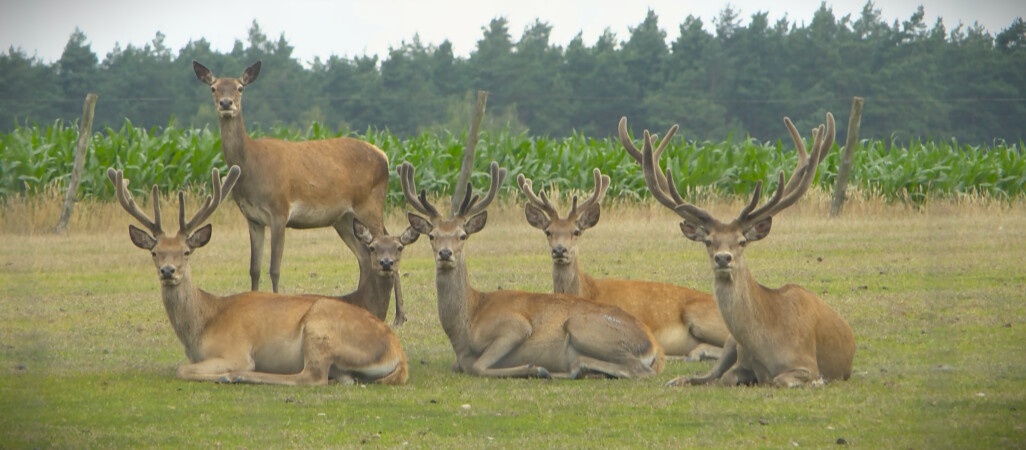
85,131
467,163
847,158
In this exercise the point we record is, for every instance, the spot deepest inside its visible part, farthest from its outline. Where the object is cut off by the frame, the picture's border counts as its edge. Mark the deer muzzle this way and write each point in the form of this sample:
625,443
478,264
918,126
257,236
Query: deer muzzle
723,260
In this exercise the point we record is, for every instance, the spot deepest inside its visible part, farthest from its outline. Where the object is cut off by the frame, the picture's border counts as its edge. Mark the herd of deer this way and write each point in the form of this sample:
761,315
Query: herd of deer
588,326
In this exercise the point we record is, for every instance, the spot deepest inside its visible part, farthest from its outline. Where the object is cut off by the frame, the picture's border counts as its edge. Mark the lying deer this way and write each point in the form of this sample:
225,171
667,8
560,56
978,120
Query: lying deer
521,334
786,336
686,322
307,184
257,337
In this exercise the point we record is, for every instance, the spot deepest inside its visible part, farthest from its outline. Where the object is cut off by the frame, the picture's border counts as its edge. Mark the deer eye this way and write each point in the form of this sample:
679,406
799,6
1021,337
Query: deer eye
463,237
577,232
548,233
742,242
400,248
241,88
187,253
431,237
707,242
213,89
153,254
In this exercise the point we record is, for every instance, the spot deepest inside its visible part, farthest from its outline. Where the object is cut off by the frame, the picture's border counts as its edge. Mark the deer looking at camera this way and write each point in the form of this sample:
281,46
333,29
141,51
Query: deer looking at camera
686,322
521,334
308,184
257,337
786,336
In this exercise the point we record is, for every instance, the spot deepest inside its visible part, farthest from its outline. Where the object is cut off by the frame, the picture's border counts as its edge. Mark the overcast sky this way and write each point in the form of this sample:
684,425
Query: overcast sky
350,28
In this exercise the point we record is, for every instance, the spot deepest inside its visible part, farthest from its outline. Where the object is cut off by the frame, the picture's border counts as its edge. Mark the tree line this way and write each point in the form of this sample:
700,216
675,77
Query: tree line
919,81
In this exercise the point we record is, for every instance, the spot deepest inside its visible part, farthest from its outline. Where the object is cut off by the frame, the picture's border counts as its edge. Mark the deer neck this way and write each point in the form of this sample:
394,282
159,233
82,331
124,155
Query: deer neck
569,278
457,302
373,292
737,295
234,140
189,310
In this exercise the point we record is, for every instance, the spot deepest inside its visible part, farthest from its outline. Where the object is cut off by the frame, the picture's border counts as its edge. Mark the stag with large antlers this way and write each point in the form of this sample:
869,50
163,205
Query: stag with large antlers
257,337
308,184
786,336
515,333
686,322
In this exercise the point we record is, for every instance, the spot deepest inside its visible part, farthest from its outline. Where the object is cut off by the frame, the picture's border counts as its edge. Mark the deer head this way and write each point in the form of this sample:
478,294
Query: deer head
726,241
171,252
448,235
385,250
562,232
227,91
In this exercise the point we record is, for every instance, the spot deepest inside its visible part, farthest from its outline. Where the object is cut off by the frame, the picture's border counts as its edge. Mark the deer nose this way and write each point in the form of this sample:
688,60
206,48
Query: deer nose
723,259
386,263
445,254
559,251
167,271
225,103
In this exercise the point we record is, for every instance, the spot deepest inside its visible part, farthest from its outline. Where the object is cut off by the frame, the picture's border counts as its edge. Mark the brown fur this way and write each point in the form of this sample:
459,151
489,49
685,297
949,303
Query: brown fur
308,184
258,337
686,322
520,334
786,336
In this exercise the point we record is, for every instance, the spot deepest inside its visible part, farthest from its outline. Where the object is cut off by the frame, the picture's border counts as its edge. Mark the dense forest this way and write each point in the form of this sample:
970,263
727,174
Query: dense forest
919,81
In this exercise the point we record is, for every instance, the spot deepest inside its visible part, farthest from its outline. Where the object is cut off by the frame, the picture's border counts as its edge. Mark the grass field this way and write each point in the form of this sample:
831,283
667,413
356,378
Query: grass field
936,297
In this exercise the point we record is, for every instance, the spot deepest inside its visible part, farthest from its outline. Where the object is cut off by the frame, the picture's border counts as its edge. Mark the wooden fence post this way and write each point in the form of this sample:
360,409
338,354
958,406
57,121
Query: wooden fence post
85,132
467,163
847,158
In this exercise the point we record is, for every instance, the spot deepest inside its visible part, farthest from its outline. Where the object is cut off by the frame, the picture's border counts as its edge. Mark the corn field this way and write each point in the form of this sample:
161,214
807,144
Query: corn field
35,158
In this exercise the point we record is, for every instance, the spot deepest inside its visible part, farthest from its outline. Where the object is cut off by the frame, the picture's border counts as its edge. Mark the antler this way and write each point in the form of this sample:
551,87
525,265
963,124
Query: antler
221,190
628,145
117,177
406,171
541,201
471,206
801,178
663,189
601,185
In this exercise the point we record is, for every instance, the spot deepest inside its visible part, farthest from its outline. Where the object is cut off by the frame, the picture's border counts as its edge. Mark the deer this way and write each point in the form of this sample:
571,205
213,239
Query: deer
510,333
257,337
385,252
301,185
784,337
687,323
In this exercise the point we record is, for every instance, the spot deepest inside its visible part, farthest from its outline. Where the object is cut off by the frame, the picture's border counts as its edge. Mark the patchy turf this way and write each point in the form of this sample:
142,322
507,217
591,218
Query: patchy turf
935,297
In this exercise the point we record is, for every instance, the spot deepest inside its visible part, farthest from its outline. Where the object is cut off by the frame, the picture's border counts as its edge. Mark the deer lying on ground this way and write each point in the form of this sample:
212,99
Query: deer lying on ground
786,336
308,184
521,334
257,337
686,322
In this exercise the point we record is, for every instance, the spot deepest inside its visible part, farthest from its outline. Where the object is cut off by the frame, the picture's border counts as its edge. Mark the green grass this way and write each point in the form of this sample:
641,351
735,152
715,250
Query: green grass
935,297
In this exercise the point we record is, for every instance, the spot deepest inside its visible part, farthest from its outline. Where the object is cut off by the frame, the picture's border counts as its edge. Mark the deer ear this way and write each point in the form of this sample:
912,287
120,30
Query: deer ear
760,230
203,73
250,74
589,217
362,233
141,238
420,224
409,236
200,237
476,223
536,217
693,232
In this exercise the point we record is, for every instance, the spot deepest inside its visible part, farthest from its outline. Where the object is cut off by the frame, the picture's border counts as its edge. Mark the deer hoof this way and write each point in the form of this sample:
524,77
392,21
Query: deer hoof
544,373
678,382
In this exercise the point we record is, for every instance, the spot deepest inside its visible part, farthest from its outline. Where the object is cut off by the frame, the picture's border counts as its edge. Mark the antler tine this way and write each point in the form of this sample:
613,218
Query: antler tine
121,191
219,192
669,196
542,202
421,204
632,150
801,178
498,175
601,185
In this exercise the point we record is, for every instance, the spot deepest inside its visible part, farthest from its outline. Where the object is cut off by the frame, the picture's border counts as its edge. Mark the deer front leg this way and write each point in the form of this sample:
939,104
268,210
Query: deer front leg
400,311
497,350
256,253
214,369
277,248
728,358
797,377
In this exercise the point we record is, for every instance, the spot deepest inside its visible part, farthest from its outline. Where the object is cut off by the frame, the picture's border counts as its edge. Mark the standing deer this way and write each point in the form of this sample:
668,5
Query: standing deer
515,333
308,184
786,336
686,322
257,337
